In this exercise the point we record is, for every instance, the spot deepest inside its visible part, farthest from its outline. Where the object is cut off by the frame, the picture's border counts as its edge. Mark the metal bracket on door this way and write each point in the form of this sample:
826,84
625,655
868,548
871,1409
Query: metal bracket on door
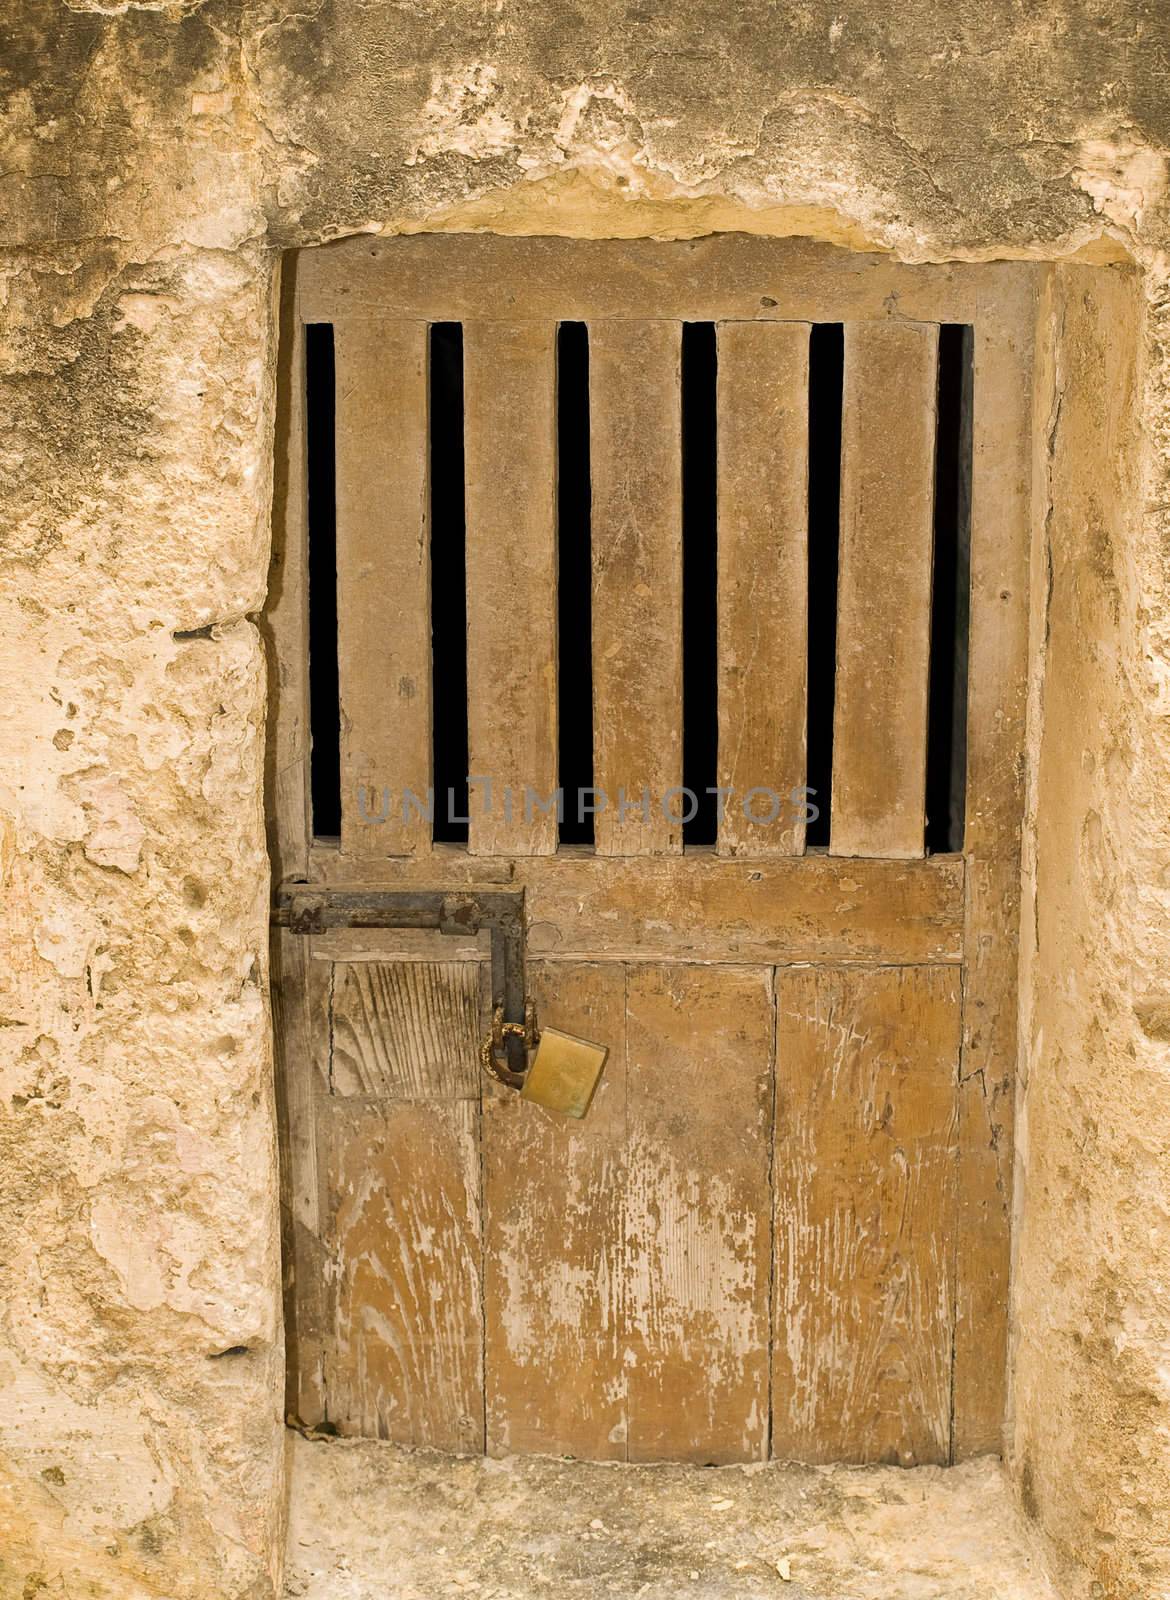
311,909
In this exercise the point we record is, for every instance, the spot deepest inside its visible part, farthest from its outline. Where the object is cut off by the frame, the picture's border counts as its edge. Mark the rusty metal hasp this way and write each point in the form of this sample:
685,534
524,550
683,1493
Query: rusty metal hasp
564,1071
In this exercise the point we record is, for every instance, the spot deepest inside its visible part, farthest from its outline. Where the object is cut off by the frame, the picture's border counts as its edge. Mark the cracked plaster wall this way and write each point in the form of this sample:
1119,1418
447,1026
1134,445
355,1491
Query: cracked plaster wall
154,160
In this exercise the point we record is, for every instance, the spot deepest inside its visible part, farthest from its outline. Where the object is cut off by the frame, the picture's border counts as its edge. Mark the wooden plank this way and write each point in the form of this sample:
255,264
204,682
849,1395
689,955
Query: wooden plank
427,945
763,581
701,908
383,585
553,1207
884,590
627,1257
399,1136
405,1358
697,1216
286,615
769,912
636,463
300,996
406,1030
865,1178
510,443
458,278
997,691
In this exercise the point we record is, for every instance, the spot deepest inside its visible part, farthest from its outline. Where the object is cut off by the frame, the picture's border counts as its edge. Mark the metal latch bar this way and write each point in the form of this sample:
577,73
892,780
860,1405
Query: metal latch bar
312,909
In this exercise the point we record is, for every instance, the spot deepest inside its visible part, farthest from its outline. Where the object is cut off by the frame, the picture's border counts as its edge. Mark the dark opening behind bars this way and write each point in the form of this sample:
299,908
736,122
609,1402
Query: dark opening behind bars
950,621
321,472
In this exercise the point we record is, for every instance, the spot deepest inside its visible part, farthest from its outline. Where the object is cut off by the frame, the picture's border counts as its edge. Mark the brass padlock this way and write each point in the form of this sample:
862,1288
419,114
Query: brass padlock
564,1073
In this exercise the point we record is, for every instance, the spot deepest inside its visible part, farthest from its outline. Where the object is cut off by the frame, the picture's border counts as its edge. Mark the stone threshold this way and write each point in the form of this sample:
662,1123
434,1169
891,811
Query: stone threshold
371,1521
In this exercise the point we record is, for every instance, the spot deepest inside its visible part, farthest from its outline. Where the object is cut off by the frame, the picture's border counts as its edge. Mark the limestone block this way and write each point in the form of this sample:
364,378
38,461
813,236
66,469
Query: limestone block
140,1345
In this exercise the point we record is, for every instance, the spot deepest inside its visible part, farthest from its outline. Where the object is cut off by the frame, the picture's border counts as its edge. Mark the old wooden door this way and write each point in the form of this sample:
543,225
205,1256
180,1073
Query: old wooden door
783,1227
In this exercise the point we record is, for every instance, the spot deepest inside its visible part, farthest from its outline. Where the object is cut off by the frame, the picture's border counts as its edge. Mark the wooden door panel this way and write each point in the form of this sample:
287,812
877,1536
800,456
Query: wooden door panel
625,1259
405,1360
398,1135
697,1224
788,1209
405,1030
554,1194
627,1256
865,1194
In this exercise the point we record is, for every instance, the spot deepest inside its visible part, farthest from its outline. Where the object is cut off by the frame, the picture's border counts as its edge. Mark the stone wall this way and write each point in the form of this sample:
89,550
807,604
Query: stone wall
1090,1377
156,159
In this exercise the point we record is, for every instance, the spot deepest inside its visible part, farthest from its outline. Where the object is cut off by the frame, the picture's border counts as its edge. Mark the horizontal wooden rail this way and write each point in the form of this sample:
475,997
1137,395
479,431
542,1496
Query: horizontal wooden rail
700,907
437,278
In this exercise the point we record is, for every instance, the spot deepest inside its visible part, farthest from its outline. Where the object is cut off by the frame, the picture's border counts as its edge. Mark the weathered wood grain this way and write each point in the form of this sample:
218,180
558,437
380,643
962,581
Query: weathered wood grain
427,945
285,624
884,589
768,912
627,1257
554,1199
865,1196
997,690
398,1112
636,463
510,443
300,996
622,1274
762,604
697,1213
406,1029
456,278
698,907
383,585
405,1358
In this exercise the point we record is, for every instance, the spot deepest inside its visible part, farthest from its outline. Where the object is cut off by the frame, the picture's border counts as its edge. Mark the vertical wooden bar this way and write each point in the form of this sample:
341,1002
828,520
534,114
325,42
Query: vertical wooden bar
763,583
554,1197
383,585
698,1212
997,693
286,616
884,589
635,446
510,443
300,1004
865,1175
